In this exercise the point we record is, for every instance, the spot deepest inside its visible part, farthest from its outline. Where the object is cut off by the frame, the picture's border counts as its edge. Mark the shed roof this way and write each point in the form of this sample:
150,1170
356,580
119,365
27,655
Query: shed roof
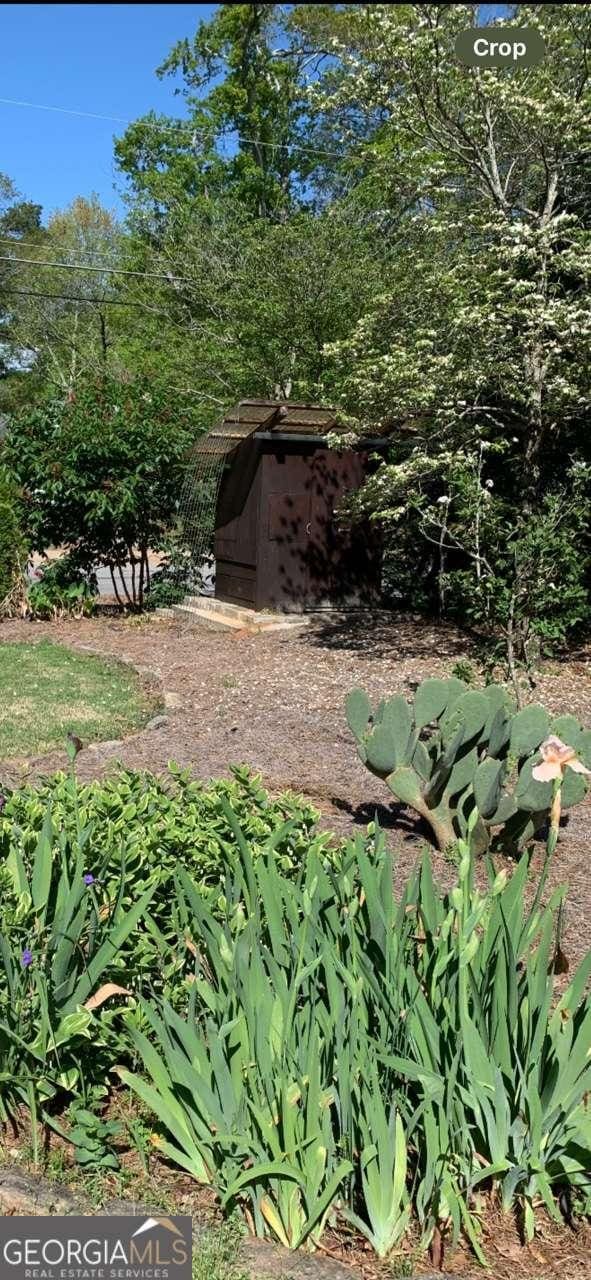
277,417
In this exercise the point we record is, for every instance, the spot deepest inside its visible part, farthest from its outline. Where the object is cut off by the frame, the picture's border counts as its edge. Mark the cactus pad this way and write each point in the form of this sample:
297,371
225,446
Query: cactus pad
454,749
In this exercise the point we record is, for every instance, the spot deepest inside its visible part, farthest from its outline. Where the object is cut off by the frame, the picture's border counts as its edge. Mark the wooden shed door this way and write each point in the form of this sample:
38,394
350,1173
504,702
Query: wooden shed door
306,559
289,518
283,569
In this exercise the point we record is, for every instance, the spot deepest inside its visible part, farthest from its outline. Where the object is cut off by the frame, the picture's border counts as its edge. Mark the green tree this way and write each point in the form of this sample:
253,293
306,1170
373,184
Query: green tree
482,336
259,271
19,219
253,304
12,543
248,133
101,474
63,316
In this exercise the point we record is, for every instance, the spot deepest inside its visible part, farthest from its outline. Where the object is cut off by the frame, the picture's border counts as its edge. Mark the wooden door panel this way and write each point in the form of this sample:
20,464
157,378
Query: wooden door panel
289,517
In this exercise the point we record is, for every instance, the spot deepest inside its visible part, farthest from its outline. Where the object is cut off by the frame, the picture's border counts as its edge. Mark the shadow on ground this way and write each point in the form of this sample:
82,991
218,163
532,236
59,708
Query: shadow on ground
392,817
386,635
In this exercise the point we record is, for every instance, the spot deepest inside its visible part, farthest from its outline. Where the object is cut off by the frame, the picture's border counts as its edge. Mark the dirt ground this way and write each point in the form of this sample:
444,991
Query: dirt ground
275,702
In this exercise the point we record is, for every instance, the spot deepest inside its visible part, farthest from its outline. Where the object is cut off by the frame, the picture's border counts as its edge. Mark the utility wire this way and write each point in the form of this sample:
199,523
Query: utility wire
61,246
72,297
174,129
80,266
54,244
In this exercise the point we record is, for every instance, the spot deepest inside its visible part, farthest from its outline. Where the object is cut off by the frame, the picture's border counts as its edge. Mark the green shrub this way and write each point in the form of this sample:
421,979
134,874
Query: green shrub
174,577
455,750
162,821
156,824
12,544
75,861
61,939
62,587
164,592
341,1051
103,471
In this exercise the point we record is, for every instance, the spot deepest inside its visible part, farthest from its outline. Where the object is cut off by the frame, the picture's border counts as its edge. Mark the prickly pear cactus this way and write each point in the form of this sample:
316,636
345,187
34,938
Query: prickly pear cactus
454,749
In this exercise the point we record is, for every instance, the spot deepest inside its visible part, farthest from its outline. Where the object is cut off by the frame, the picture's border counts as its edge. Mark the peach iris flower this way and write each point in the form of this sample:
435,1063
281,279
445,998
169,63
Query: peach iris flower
556,757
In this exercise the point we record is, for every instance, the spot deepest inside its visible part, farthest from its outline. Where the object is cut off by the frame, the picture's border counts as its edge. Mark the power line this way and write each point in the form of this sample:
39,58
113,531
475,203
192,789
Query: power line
55,244
62,246
72,297
174,129
80,266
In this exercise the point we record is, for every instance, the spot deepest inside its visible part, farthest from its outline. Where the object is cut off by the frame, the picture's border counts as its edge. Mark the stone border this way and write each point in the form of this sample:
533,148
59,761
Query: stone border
26,1195
23,1194
169,698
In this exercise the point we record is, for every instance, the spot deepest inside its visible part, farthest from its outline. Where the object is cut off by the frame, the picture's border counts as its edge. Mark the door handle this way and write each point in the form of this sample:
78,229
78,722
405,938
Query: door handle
308,528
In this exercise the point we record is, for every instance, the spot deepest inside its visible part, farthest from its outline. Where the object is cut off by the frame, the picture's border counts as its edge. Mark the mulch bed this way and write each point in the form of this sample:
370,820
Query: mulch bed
275,703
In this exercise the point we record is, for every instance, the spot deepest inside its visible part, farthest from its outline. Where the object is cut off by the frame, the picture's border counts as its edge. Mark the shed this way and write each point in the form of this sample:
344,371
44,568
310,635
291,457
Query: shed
278,543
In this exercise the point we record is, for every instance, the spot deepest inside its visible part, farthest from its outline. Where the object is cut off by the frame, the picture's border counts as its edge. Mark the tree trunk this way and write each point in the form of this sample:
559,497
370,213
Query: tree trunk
133,562
115,587
142,578
124,585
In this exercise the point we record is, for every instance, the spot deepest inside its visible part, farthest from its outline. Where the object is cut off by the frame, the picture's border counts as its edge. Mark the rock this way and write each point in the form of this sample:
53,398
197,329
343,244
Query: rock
157,722
172,699
24,1194
110,744
263,1260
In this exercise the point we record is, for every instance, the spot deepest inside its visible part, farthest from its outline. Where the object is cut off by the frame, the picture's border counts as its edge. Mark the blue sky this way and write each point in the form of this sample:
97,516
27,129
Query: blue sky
92,57
88,57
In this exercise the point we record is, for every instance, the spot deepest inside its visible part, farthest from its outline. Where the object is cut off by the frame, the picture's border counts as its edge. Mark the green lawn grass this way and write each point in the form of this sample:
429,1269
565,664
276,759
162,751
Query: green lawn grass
47,691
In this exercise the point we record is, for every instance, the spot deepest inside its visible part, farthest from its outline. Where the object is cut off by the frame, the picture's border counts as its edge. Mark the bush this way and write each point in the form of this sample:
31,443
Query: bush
166,819
12,544
341,1051
62,587
164,591
102,473
156,824
174,577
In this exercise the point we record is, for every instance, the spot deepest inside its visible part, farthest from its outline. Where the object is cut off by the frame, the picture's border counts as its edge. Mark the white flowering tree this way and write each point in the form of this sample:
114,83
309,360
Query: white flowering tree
477,355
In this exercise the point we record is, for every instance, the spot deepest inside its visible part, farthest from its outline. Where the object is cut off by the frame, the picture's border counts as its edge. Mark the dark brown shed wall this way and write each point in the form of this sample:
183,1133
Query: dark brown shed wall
278,544
305,560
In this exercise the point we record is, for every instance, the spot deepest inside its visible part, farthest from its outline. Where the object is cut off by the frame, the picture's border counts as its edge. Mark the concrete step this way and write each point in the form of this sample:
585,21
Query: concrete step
231,617
187,610
223,609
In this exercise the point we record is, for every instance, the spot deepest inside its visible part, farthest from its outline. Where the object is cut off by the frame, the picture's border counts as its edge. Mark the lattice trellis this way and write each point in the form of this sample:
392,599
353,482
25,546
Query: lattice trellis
205,471
197,510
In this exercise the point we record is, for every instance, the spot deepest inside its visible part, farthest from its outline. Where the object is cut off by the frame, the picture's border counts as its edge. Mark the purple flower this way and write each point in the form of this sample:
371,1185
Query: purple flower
89,878
26,958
